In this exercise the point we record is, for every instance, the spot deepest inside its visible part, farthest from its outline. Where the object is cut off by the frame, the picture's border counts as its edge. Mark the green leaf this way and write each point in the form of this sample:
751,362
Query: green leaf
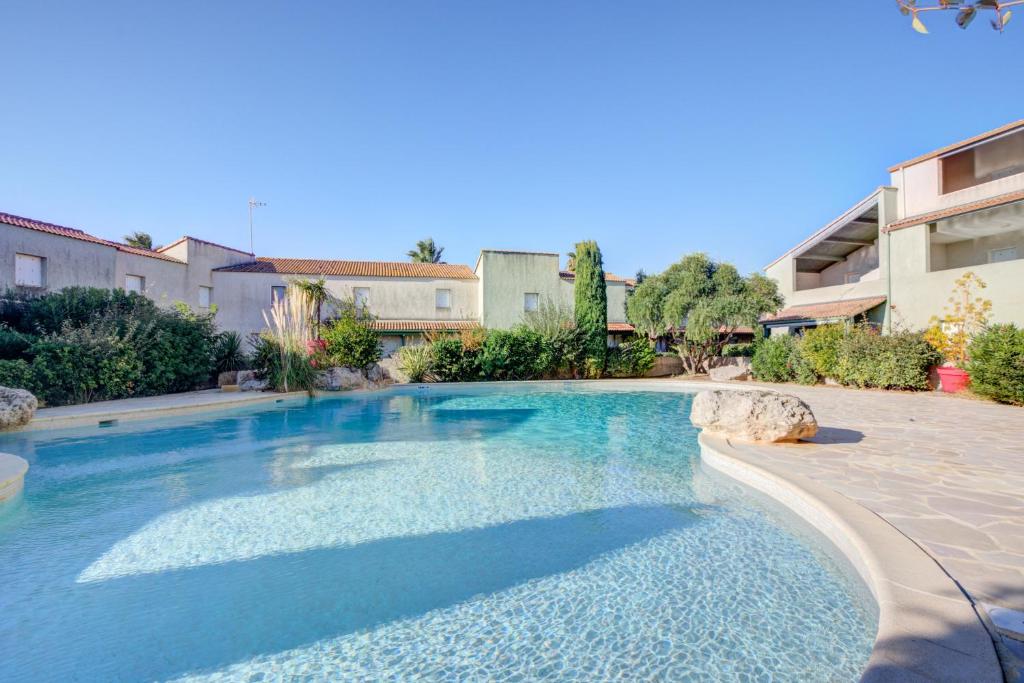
918,26
965,16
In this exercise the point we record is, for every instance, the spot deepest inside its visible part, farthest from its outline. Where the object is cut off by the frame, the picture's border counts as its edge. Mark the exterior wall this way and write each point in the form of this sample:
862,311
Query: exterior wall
510,275
202,258
243,297
505,277
919,186
69,262
918,294
164,280
863,262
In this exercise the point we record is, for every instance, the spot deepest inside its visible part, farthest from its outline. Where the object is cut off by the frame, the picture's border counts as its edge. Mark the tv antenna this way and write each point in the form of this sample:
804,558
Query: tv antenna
253,204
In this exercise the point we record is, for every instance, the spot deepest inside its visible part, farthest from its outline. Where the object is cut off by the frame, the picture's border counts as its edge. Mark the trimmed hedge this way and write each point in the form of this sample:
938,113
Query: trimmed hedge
996,364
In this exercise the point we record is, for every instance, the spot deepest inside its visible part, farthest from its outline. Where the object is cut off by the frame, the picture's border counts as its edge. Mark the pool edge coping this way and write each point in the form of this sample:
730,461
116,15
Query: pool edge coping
922,611
12,475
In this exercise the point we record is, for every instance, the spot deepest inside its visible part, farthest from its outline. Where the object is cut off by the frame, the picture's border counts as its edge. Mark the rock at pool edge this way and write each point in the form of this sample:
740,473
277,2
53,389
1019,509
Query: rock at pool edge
753,415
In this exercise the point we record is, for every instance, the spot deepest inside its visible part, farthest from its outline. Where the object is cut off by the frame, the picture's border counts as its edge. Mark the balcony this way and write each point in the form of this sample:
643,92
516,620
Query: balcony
975,239
845,253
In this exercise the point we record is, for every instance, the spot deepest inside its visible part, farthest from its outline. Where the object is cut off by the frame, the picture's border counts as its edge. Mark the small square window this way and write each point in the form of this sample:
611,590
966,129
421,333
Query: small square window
134,283
278,293
999,255
531,300
205,296
29,270
361,297
443,298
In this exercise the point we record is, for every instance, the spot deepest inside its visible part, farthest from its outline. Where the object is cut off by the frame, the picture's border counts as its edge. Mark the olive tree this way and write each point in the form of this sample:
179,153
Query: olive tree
700,303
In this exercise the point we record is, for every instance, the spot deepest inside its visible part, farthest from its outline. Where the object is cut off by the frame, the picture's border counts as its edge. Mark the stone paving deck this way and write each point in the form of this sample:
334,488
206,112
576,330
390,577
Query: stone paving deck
946,471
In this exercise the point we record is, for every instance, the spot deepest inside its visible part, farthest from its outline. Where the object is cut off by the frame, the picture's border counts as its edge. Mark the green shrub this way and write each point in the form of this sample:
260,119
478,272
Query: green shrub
568,351
76,306
516,354
14,344
634,358
997,364
819,347
896,361
738,350
351,342
415,362
177,348
18,374
93,362
773,359
450,362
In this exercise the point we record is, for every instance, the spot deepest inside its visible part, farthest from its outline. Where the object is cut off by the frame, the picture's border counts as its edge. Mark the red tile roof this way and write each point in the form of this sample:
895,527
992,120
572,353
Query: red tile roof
620,327
847,308
608,277
76,234
970,207
422,325
298,266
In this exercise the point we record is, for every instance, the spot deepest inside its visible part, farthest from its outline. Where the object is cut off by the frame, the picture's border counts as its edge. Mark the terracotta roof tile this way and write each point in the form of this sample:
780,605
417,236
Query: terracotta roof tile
608,277
620,327
959,210
422,325
76,234
847,308
298,266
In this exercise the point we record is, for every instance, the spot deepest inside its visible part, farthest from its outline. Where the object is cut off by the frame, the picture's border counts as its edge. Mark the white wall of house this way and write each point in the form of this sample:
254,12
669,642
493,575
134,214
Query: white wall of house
243,297
68,262
164,281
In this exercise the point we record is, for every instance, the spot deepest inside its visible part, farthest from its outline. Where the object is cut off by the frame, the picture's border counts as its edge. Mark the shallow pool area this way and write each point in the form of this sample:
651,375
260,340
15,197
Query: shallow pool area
481,533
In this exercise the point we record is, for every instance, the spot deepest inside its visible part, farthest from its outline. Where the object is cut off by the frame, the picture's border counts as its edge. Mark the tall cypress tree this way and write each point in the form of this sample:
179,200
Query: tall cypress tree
591,302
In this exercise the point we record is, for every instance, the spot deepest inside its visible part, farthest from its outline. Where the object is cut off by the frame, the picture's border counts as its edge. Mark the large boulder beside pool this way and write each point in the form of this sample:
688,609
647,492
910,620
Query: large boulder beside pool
753,415
17,406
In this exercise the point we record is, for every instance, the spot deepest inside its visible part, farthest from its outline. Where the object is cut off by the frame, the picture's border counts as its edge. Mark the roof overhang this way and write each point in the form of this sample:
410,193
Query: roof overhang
824,312
856,228
963,144
984,209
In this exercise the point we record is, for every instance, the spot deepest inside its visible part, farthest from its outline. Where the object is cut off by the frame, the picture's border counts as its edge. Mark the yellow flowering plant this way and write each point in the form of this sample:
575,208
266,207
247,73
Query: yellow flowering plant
964,316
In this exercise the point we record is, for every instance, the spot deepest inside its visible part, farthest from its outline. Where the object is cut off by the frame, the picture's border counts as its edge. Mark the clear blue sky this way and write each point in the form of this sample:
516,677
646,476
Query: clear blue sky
656,128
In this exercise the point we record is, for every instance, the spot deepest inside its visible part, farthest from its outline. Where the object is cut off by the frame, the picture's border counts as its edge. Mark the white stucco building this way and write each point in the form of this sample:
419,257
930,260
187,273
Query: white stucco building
894,256
407,299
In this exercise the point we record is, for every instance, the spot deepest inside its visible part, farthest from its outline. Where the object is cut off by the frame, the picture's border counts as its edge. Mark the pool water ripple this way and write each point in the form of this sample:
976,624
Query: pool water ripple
532,534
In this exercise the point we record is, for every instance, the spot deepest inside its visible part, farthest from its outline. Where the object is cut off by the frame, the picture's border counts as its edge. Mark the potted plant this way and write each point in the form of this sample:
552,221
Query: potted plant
965,315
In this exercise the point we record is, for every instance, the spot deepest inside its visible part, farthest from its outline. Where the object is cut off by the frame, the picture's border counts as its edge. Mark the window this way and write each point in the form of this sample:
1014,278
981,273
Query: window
278,293
205,296
443,298
361,297
998,255
134,283
29,271
531,301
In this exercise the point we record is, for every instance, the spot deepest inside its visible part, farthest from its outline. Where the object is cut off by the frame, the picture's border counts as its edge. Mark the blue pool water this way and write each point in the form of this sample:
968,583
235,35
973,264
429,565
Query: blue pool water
526,533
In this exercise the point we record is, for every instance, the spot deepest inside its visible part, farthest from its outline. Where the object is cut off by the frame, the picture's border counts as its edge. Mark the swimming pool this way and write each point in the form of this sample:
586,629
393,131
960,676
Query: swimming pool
495,532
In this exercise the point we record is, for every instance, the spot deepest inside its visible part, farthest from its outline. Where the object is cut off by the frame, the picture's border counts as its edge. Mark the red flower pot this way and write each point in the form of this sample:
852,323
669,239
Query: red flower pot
953,379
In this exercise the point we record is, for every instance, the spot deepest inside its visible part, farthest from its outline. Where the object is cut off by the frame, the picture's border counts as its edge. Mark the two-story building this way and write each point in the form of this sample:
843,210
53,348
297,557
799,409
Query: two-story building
893,257
407,299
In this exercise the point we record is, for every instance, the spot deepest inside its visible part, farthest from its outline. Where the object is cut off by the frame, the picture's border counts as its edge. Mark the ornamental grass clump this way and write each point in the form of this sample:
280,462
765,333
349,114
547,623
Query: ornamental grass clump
290,333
